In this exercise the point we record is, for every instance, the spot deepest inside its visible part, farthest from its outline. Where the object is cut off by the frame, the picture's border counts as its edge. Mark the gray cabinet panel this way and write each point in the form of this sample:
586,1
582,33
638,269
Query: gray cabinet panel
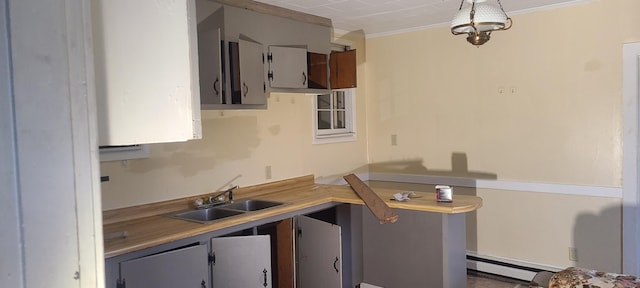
319,254
252,72
288,67
241,262
187,267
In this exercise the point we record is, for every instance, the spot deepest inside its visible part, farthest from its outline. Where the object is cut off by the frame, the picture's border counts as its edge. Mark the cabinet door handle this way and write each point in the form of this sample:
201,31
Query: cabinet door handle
246,89
264,272
215,86
335,265
304,78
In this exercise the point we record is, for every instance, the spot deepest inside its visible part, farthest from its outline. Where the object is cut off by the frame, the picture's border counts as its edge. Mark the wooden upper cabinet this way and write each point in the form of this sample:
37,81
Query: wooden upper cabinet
318,72
342,68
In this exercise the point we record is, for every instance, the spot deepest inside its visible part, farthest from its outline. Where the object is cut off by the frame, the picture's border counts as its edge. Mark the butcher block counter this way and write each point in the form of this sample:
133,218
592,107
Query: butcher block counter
135,228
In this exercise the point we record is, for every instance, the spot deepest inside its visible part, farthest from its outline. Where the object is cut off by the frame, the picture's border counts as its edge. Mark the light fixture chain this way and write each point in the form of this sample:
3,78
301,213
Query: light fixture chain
461,3
501,8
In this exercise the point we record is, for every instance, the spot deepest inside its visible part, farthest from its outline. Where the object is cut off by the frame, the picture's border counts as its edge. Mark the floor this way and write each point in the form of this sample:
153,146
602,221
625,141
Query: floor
481,280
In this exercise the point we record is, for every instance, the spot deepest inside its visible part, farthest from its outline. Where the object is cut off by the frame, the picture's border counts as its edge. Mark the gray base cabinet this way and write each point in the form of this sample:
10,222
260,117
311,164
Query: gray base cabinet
241,262
186,267
319,252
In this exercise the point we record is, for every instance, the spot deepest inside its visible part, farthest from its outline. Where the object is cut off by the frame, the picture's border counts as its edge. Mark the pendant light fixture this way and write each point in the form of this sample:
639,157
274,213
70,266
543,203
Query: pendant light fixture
478,19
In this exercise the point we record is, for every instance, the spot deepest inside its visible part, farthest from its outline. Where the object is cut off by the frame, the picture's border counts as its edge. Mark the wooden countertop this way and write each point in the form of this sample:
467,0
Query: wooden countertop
146,226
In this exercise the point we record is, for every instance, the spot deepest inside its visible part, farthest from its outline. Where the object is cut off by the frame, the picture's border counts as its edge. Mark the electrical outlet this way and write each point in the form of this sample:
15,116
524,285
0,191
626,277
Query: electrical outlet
267,172
394,140
573,254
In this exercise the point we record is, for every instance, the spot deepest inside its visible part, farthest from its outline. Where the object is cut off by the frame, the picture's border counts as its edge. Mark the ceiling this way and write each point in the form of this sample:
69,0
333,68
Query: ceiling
389,16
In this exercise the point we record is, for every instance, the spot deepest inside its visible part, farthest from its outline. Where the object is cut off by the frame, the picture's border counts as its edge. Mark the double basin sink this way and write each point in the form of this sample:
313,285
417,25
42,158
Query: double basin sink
210,214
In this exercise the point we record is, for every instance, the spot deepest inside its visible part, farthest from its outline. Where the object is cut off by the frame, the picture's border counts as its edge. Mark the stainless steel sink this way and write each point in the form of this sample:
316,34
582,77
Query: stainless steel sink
211,214
206,215
251,205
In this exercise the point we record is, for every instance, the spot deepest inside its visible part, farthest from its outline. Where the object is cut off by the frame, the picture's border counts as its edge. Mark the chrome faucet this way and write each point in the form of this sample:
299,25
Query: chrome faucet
229,198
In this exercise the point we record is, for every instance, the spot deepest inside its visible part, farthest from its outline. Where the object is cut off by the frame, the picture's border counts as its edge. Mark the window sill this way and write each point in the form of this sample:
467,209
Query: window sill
337,138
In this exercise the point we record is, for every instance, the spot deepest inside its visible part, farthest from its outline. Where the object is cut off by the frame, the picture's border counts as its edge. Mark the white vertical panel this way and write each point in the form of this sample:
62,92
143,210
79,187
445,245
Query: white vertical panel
85,143
630,195
11,260
43,78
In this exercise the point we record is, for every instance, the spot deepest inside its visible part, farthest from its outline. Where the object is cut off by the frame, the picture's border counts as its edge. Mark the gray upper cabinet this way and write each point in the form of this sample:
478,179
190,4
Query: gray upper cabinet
252,85
232,69
210,47
288,67
234,75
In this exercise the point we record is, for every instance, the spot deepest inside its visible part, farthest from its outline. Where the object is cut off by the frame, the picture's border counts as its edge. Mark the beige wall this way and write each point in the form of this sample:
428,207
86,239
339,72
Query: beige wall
561,124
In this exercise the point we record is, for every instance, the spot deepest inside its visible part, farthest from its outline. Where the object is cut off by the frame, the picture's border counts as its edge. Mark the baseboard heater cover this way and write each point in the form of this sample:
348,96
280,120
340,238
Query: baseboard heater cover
500,267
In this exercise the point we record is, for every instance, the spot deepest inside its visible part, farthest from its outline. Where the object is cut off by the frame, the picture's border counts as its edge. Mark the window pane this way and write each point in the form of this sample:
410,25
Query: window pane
339,120
338,99
324,101
324,119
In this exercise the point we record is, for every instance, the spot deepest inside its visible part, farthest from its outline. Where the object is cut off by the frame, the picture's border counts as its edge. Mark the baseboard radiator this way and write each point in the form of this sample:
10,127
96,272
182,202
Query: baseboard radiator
506,267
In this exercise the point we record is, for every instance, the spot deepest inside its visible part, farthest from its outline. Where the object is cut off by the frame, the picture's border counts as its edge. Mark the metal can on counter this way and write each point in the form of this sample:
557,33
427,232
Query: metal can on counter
444,193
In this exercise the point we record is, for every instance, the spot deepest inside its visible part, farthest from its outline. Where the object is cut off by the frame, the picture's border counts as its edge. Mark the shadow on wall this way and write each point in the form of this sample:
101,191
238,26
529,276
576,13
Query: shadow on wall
598,243
220,143
459,169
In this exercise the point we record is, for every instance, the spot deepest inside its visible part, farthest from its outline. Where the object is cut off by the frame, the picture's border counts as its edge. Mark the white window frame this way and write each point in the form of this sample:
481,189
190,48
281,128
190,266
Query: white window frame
346,134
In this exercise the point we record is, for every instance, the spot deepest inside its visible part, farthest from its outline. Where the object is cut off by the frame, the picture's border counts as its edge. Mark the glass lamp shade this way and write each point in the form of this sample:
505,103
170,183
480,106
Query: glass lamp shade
487,18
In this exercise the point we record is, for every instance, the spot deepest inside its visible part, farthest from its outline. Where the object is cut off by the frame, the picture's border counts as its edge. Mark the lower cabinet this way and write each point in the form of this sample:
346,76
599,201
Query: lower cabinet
183,267
302,251
241,261
319,253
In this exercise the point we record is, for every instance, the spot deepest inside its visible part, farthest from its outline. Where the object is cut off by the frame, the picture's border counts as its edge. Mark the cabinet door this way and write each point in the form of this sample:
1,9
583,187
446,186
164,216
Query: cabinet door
251,72
319,254
146,71
342,68
241,262
318,70
187,267
288,67
210,62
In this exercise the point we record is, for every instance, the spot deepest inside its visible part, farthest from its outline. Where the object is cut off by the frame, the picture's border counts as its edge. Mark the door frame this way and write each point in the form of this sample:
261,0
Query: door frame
630,159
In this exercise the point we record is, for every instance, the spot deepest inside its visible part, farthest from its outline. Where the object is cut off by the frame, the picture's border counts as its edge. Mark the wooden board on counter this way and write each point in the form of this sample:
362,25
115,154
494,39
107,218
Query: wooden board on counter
377,206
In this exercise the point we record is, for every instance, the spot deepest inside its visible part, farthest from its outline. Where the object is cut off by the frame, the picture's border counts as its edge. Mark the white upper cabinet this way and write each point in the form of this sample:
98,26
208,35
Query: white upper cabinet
146,68
288,67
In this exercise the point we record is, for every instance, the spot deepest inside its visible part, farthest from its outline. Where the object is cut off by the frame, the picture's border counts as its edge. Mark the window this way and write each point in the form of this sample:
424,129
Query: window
334,117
